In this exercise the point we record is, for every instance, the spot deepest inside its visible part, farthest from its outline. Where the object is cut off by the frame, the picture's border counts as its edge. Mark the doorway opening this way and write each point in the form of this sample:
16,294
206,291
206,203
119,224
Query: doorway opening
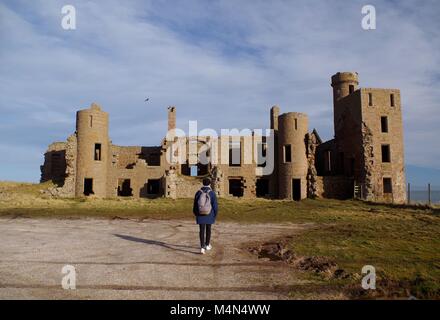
236,187
262,188
124,188
88,186
296,189
153,186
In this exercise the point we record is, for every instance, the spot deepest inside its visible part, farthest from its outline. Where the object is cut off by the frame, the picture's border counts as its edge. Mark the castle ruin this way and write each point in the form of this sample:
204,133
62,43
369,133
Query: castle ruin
363,160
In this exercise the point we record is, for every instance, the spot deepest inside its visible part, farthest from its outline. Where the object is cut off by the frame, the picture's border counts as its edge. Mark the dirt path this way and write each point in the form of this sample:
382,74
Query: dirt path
129,259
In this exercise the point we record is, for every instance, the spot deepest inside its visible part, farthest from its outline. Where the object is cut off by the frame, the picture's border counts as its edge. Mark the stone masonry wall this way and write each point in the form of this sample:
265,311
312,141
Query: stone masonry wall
334,187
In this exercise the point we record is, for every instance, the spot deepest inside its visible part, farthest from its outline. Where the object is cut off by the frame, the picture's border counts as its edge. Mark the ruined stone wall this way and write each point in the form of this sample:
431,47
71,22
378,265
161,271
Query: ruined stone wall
54,167
68,189
334,187
126,156
312,143
127,163
187,186
64,178
246,172
323,164
217,181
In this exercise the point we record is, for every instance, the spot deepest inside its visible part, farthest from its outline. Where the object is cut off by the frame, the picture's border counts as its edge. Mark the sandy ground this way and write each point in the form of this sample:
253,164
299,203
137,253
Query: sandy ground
149,259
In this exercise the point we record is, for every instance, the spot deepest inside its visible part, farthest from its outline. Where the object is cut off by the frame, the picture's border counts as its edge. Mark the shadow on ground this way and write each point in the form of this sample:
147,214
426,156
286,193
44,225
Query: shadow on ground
175,247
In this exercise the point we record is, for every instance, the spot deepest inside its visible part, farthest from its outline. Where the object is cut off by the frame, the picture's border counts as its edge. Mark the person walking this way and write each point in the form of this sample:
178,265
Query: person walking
205,209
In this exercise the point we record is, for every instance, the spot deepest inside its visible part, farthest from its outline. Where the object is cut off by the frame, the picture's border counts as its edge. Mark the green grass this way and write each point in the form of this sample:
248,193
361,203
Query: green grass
403,243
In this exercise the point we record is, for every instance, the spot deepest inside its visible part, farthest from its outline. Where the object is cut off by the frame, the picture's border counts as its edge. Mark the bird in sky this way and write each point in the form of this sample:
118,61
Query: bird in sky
147,99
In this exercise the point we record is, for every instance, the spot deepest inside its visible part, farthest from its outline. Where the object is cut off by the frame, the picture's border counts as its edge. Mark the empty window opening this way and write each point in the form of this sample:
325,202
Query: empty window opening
392,100
327,161
97,151
124,188
185,168
235,154
57,166
351,89
384,124
370,99
88,186
386,153
56,161
296,189
236,187
287,153
262,152
194,170
153,186
153,159
387,185
91,121
202,169
262,187
296,124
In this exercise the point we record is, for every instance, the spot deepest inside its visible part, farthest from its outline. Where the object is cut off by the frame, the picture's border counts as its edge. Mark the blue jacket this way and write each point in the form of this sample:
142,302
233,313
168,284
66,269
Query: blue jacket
210,218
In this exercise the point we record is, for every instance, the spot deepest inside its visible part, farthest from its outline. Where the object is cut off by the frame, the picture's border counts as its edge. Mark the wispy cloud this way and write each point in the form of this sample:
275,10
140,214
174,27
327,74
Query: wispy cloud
223,63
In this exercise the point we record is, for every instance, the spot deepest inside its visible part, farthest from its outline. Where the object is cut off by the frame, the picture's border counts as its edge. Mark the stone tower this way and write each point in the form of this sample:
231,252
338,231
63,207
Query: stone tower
369,138
344,83
292,159
92,151
347,123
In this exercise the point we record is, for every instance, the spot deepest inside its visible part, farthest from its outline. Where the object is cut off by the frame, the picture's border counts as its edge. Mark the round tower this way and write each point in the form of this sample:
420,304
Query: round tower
292,159
92,151
343,84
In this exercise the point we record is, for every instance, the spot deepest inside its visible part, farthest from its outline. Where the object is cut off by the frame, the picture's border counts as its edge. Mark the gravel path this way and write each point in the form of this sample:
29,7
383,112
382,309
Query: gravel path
130,259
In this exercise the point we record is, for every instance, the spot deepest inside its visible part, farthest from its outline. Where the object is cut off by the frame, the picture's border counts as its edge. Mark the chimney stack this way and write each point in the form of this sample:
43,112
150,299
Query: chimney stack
171,118
274,113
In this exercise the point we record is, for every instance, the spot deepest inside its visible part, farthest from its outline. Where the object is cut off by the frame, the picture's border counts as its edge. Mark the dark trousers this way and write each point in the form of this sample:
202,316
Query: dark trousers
205,241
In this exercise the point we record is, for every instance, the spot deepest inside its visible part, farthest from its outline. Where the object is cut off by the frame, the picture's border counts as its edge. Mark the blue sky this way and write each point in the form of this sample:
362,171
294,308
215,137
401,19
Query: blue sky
223,63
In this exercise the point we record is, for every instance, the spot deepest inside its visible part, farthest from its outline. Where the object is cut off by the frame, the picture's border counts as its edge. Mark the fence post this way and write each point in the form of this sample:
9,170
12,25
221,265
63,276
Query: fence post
409,193
429,193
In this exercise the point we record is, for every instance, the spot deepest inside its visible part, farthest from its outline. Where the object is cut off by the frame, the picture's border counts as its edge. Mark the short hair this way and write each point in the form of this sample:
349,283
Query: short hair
206,181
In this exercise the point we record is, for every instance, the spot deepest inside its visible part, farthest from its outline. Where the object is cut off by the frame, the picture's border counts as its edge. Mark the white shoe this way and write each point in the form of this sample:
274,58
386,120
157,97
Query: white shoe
202,251
208,247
